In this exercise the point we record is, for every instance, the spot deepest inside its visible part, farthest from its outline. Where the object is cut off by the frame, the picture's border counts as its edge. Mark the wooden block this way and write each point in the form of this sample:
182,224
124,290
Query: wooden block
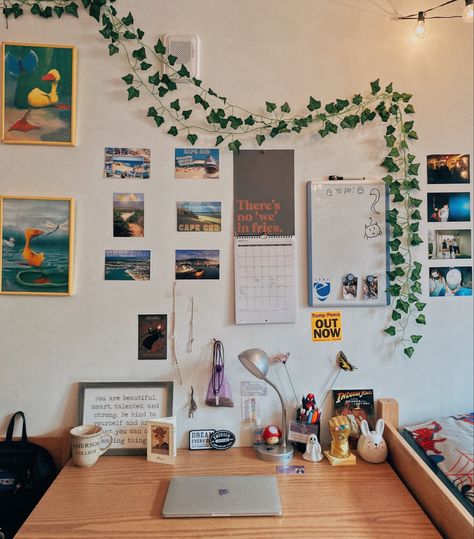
387,409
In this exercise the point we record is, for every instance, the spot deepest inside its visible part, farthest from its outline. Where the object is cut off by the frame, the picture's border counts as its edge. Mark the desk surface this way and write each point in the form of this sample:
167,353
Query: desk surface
124,496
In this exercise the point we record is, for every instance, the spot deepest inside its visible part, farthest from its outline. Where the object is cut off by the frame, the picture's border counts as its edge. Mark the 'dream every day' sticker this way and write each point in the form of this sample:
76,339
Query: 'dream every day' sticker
326,326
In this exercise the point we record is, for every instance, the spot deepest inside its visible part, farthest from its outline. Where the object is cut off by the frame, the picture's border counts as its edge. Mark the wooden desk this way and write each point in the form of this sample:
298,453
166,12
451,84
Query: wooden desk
123,497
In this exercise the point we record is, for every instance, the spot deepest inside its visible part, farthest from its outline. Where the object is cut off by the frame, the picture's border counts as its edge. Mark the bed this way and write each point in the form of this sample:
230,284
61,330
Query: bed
445,510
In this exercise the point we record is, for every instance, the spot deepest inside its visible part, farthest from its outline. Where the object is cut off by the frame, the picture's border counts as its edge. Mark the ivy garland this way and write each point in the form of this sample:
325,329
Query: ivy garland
213,114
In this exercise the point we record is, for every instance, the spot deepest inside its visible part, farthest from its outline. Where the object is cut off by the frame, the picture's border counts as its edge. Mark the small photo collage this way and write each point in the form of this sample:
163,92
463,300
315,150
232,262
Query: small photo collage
449,225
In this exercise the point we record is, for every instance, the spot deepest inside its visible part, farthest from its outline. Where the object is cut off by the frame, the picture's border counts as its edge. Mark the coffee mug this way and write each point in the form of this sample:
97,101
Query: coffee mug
86,444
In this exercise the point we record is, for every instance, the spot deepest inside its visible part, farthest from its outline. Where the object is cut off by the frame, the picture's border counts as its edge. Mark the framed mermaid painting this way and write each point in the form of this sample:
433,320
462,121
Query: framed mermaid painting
39,94
37,245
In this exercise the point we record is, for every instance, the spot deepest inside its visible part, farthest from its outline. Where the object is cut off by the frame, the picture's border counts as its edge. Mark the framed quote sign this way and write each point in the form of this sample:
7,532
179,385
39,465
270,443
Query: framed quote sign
123,409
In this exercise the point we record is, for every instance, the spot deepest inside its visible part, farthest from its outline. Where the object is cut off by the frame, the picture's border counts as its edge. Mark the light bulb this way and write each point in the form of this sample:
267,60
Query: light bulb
468,12
420,28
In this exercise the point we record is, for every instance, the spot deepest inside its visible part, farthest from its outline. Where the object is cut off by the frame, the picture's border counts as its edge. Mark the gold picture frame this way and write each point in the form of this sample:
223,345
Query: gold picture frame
38,94
37,254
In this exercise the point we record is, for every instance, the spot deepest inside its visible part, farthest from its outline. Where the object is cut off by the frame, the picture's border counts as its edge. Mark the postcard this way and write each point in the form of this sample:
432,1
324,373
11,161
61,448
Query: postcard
127,265
450,281
449,244
199,216
448,168
197,264
196,163
129,215
449,207
161,440
131,163
152,336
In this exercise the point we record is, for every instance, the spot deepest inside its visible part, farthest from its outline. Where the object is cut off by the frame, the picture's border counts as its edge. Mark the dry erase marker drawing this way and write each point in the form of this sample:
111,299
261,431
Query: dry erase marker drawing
375,193
372,230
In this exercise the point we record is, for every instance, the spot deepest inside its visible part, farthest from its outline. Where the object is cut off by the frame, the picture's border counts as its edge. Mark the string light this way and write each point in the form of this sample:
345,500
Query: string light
421,16
468,12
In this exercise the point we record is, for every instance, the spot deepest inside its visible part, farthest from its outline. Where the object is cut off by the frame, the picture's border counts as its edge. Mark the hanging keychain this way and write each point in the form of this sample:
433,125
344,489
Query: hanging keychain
218,391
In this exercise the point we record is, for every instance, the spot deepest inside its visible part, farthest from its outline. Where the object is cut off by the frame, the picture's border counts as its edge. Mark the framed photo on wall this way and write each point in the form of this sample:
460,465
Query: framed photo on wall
37,245
39,94
123,409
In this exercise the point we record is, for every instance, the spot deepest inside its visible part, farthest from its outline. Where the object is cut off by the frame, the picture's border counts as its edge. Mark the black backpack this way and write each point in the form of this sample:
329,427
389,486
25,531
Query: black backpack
26,472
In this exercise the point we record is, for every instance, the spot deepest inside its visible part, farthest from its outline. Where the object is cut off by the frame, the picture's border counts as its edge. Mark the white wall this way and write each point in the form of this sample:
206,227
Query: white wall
251,52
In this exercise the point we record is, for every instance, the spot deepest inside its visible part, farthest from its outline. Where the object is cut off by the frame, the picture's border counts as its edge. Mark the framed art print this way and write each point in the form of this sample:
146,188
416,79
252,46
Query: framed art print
161,440
37,245
39,94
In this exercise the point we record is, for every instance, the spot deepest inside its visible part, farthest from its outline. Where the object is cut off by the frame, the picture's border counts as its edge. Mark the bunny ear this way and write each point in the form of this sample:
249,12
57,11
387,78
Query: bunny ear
379,426
364,427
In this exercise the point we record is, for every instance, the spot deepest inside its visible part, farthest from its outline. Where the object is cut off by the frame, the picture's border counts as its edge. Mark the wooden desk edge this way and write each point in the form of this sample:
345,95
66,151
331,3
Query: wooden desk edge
444,510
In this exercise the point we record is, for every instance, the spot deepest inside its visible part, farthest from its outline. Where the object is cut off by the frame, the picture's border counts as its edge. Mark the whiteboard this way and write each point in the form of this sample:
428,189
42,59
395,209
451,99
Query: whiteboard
347,243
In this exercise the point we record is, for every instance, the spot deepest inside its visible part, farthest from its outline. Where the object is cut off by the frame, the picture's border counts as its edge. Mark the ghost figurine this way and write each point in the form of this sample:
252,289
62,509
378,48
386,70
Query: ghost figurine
313,449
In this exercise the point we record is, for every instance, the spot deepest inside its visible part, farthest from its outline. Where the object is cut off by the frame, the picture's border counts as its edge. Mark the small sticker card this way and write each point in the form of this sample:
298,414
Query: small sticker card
349,287
371,287
290,469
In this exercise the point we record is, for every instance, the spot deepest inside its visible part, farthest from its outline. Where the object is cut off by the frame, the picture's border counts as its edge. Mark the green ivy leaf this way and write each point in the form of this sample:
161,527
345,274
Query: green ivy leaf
413,169
420,306
159,47
398,197
113,49
86,3
397,231
159,120
397,258
260,139
357,99
129,35
413,227
413,135
128,79
196,81
140,33
389,88
420,319
152,112
250,120
392,216
132,92
187,113
412,298
234,146
331,108
409,351
314,104
144,66
390,130
414,202
139,54
390,330
394,153
175,105
390,164
285,107
375,86
367,115
390,140
416,215
407,126
219,139
330,127
341,104
416,338
409,109
394,290
415,239
402,305
192,138
270,106
396,315
416,287
173,131
172,59
350,121
394,244
323,132
183,72
128,20
57,9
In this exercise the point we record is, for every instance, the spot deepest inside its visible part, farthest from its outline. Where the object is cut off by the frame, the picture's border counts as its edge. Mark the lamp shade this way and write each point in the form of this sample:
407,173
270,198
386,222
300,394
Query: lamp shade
255,361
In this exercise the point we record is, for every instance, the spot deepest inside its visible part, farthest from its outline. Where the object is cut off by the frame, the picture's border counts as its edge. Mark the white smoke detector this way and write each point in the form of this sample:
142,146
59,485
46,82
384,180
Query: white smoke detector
186,49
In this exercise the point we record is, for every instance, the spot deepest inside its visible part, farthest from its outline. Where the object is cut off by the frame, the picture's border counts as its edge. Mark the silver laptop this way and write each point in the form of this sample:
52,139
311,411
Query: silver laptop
222,496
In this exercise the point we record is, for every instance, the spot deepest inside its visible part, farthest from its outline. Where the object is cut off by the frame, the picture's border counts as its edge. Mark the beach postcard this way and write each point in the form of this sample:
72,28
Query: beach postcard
197,264
37,245
196,163
124,265
131,163
152,336
129,215
199,216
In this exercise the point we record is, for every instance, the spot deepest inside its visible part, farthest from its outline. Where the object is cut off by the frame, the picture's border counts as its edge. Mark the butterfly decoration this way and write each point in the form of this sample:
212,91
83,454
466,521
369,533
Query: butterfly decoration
344,363
16,66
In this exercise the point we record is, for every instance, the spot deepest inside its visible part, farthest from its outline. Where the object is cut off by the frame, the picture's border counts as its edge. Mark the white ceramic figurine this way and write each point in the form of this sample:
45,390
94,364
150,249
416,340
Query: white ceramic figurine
313,449
371,446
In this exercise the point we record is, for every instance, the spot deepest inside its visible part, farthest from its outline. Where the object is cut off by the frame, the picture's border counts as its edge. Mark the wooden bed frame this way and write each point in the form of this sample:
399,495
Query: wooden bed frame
448,515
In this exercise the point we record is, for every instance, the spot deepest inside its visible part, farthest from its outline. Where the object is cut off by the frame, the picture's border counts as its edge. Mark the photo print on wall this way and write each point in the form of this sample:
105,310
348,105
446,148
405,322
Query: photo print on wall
449,207
454,281
129,214
196,163
449,244
152,336
125,265
448,168
197,264
127,163
198,216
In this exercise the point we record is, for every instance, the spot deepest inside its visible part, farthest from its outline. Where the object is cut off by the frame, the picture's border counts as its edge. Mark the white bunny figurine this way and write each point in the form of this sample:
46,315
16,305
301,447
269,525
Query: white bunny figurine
371,446
313,449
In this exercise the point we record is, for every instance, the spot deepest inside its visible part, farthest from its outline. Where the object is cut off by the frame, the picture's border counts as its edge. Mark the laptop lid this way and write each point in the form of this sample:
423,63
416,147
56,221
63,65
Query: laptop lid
222,496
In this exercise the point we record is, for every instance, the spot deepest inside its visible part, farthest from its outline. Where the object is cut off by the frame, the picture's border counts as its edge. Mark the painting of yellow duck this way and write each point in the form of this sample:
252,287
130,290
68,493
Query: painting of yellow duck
39,94
36,255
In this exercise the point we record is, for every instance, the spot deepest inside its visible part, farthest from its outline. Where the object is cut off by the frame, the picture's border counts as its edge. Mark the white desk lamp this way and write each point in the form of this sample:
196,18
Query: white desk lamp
256,361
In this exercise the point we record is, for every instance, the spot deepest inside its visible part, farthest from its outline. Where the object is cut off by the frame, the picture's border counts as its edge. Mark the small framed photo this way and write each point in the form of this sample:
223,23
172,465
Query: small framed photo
161,440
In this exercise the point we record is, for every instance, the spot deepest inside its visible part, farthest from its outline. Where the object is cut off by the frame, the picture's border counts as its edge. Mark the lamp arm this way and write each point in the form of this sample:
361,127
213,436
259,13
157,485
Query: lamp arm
283,411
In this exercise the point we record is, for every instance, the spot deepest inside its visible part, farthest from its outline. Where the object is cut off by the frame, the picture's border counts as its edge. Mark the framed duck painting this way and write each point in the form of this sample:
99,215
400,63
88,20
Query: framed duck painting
39,94
37,245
